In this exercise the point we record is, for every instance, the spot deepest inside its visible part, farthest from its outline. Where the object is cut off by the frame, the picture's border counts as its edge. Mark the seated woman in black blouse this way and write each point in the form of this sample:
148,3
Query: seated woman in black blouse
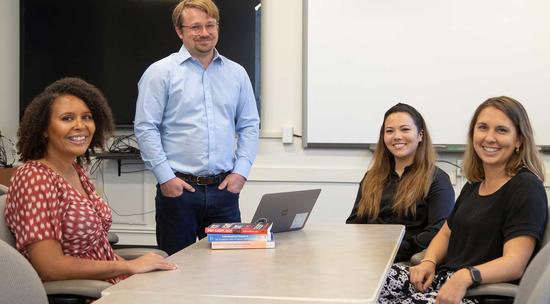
403,185
498,220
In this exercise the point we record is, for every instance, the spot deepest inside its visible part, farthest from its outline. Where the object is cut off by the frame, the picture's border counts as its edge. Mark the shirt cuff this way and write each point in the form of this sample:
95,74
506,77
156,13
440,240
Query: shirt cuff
242,167
163,172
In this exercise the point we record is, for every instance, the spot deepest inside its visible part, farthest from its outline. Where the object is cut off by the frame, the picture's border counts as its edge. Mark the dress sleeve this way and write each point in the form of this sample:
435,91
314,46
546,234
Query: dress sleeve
33,212
440,201
353,217
526,210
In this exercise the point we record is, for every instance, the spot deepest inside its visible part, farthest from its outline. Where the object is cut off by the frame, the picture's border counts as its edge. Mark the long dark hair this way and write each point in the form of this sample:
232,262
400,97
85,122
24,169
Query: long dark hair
413,186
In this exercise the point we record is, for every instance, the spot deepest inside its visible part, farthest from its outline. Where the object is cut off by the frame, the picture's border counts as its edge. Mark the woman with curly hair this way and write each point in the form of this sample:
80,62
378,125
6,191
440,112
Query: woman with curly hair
59,222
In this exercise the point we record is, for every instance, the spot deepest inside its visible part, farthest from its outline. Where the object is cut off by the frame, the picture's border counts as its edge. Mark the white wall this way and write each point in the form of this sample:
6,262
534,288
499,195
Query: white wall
278,167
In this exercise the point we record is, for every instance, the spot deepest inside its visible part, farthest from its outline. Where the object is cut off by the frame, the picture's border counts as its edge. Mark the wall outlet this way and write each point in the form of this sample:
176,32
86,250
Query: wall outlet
288,135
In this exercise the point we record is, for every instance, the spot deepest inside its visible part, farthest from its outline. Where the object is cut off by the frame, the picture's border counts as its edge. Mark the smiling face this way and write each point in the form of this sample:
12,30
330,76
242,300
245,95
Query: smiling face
401,137
494,138
71,128
199,43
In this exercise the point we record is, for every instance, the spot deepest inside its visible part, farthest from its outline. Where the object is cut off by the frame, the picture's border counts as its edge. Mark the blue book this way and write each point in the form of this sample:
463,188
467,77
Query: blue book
228,237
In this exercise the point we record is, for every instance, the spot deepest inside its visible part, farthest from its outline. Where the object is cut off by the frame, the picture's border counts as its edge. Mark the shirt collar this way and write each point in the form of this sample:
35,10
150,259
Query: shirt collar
405,171
183,55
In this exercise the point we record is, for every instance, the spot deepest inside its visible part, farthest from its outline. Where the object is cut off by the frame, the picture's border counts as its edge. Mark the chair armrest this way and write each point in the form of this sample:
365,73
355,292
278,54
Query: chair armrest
132,253
112,237
86,288
417,257
497,289
3,189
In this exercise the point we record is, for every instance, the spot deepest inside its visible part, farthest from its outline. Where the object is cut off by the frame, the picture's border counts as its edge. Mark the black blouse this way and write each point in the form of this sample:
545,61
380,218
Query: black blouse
431,212
481,224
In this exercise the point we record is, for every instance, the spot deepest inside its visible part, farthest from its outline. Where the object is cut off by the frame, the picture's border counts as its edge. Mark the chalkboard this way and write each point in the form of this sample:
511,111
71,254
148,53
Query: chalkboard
444,57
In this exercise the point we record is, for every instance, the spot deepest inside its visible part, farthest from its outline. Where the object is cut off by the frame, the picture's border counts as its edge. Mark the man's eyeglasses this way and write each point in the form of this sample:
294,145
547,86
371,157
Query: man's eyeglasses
197,28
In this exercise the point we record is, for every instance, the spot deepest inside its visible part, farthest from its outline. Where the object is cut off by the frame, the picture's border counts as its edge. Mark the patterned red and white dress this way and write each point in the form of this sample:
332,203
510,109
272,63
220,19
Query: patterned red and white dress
42,205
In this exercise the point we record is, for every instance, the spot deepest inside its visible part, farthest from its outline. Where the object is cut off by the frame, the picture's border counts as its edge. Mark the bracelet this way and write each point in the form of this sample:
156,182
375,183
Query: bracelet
428,260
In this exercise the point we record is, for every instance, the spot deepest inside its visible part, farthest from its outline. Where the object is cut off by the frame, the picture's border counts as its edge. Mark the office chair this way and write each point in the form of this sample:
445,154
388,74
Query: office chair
68,291
533,287
3,189
506,292
20,283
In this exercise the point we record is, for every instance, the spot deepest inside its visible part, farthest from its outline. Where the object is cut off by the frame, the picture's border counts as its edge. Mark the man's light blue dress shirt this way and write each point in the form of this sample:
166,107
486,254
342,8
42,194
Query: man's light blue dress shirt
187,117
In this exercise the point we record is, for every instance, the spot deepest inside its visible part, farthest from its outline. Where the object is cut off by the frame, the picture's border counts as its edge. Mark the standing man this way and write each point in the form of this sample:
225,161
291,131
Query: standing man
191,106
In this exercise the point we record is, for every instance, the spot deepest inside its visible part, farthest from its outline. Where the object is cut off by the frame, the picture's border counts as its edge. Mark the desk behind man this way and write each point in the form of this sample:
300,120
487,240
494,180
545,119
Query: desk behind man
190,107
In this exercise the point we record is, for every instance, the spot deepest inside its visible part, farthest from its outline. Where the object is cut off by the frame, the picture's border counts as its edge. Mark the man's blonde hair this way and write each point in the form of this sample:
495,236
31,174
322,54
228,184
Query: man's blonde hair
207,6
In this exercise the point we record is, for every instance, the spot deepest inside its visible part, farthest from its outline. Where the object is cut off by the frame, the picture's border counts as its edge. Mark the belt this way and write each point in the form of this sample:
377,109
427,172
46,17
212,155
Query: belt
202,180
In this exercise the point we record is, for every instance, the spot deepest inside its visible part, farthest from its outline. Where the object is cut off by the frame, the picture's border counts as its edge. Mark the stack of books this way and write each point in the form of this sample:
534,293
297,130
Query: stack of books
240,236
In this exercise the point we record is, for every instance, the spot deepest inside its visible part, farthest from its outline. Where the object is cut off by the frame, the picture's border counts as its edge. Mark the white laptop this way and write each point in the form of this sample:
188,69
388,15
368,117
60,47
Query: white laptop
287,210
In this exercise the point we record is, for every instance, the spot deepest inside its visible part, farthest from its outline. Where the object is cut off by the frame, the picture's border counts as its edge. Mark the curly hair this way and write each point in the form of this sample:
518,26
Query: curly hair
32,144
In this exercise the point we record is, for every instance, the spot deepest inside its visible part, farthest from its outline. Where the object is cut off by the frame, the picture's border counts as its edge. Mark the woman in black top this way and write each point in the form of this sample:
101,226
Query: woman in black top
498,220
403,185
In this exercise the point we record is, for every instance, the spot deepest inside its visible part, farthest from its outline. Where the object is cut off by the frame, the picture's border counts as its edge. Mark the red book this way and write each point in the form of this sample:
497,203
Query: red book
239,228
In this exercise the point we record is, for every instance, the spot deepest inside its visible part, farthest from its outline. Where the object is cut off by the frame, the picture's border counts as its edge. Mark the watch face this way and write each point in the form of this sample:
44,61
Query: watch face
476,275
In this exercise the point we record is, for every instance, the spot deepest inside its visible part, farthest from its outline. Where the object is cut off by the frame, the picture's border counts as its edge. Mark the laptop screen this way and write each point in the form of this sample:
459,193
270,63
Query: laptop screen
287,210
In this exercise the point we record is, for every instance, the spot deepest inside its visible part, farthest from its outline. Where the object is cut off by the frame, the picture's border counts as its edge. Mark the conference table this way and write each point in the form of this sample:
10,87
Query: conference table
336,263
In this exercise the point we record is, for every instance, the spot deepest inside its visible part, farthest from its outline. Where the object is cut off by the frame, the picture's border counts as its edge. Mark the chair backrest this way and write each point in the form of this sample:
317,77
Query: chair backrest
20,283
541,294
5,233
533,287
3,189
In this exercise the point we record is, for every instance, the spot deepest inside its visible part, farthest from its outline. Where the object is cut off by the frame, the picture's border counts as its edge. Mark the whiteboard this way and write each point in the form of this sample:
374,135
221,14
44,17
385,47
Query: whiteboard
444,57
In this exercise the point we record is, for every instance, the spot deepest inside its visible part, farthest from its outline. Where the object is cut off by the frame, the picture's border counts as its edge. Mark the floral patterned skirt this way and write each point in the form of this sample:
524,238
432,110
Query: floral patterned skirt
398,288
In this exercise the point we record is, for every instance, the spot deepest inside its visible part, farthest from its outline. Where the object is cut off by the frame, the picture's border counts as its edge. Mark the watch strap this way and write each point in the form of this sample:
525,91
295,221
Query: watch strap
475,275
